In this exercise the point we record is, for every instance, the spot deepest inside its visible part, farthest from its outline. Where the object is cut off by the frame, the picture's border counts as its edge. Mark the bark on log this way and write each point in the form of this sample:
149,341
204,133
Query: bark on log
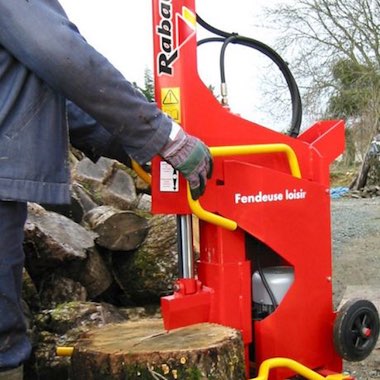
84,198
57,289
120,191
63,326
55,244
370,163
73,211
107,182
117,230
56,238
149,272
94,175
144,350
361,179
94,274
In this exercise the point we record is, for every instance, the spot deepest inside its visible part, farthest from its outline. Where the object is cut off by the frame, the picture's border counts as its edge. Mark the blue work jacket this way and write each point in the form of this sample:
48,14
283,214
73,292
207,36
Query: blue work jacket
44,61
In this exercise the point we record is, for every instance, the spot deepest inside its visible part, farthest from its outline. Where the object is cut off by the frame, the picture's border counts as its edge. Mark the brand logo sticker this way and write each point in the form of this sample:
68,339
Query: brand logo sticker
172,38
261,197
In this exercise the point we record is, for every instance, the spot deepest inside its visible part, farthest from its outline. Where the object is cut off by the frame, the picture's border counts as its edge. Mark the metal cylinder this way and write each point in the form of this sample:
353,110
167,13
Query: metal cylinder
185,246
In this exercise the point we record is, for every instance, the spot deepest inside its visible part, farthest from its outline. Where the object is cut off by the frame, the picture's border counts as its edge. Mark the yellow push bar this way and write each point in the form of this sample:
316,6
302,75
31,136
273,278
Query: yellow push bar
300,369
238,150
64,351
219,151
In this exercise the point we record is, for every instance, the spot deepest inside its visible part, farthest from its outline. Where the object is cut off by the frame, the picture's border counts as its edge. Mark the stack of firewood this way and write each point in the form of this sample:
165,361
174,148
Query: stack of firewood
106,260
103,255
370,191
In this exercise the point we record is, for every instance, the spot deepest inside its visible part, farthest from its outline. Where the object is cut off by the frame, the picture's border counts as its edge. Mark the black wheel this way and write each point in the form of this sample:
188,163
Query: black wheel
356,329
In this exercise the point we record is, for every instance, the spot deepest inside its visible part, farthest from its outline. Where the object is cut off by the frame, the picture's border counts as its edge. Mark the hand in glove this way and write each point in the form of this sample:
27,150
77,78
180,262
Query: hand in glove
191,157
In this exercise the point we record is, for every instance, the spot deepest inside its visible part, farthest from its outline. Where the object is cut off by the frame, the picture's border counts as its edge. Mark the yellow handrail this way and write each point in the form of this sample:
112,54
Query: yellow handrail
219,151
208,216
238,150
146,177
299,368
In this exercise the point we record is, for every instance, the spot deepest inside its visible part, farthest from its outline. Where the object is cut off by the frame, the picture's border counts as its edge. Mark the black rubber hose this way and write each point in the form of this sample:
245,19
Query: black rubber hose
210,39
212,29
271,54
226,42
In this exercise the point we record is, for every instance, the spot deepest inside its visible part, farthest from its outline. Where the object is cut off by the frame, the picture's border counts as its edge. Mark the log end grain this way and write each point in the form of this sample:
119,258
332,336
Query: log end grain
144,350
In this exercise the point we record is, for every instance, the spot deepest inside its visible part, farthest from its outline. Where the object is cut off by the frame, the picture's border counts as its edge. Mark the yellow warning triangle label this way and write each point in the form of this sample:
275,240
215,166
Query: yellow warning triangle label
170,98
171,102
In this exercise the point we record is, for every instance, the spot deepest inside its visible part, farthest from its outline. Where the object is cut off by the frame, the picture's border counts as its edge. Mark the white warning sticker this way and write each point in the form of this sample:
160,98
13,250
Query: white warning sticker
168,178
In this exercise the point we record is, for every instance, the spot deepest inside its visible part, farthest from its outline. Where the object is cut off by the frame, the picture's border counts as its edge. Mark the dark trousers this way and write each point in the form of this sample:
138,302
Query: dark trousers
14,344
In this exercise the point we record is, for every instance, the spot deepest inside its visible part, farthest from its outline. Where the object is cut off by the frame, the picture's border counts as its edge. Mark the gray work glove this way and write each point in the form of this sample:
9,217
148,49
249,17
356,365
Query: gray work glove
191,157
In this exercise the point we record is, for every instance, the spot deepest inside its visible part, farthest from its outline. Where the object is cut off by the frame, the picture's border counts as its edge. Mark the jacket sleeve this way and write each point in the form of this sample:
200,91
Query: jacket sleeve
40,36
87,135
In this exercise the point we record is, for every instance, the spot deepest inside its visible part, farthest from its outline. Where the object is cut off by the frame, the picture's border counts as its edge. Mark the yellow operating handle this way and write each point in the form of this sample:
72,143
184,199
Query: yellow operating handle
238,150
146,177
64,351
300,369
219,151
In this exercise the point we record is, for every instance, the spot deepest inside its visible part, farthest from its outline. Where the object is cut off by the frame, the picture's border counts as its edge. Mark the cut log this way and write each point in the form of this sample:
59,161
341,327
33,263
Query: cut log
56,238
117,230
84,198
120,191
79,316
57,289
144,202
109,184
63,325
93,274
150,271
73,211
55,244
94,175
144,350
369,172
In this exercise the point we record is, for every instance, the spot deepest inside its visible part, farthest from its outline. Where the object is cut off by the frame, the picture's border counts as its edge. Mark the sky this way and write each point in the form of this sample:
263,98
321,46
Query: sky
122,31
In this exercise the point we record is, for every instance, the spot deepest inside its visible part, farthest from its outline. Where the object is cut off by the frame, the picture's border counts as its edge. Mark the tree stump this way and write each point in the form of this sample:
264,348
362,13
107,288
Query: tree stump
144,350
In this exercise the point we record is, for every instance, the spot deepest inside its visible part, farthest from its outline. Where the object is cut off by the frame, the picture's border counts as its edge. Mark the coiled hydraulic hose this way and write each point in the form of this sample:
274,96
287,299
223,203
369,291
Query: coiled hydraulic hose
227,38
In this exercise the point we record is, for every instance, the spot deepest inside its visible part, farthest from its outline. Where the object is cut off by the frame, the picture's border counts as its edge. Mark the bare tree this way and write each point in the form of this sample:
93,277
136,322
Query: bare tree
317,36
318,33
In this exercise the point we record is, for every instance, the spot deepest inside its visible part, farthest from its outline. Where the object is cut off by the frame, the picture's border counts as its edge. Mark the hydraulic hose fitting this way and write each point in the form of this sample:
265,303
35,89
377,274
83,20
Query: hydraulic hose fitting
223,91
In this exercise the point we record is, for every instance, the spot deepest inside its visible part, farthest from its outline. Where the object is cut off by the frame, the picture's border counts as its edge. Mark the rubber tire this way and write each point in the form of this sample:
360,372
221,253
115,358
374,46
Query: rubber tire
344,325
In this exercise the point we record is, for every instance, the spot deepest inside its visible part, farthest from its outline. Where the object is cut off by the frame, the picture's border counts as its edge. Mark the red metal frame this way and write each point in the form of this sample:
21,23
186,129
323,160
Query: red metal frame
296,228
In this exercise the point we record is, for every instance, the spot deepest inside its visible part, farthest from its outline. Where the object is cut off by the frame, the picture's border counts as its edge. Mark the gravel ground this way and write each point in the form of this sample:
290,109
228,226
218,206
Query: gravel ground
356,263
356,243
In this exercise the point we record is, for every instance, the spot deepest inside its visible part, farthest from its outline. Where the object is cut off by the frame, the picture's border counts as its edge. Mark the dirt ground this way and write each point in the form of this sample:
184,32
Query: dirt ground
356,264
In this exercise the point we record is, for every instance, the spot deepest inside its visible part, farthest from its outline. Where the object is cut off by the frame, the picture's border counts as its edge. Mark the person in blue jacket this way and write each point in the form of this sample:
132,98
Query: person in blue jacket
53,82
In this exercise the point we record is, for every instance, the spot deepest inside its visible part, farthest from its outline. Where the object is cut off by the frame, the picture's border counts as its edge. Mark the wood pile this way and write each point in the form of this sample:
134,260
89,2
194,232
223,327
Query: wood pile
370,191
94,261
94,274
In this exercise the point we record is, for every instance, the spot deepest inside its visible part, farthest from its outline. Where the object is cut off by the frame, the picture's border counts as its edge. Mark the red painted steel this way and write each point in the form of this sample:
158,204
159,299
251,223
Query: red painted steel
275,212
